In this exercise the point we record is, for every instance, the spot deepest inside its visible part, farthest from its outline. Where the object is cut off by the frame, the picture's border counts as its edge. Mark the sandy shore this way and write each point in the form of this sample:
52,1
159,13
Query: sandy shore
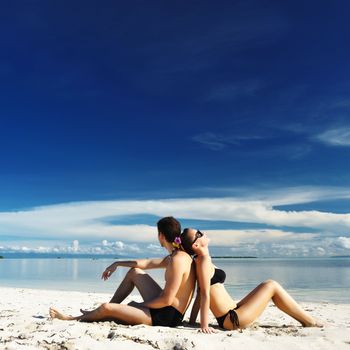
24,324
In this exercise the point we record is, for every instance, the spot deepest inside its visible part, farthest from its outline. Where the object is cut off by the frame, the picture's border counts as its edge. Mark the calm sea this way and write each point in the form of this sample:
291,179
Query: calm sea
326,279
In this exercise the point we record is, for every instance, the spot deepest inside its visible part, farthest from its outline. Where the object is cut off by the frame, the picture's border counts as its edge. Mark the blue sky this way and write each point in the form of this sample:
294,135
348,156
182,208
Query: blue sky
247,100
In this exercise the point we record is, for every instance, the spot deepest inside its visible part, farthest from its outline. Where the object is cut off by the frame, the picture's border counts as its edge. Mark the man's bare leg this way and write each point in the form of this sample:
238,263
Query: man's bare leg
135,277
148,288
124,313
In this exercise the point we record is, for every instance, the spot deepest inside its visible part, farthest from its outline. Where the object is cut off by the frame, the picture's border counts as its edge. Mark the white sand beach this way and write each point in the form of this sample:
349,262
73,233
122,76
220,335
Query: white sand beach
25,324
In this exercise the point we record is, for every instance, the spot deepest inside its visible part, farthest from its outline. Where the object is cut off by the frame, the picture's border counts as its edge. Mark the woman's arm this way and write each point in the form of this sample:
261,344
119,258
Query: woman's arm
143,264
175,271
203,266
195,308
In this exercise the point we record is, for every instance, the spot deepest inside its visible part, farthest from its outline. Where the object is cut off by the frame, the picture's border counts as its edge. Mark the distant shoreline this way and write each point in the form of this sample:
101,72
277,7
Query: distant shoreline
234,257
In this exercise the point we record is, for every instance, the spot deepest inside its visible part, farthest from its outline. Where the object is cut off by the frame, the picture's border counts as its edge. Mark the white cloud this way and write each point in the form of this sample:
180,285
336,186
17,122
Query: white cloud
154,248
75,245
335,137
92,222
289,247
344,242
120,248
301,195
87,219
232,237
119,245
266,243
321,251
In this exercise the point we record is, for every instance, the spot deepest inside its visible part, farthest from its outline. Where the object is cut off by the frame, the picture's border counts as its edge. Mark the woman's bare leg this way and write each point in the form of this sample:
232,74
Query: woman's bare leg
251,307
121,312
148,288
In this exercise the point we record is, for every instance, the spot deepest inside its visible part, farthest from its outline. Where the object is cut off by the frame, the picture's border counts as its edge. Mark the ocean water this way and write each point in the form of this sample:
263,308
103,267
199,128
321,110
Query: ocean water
306,279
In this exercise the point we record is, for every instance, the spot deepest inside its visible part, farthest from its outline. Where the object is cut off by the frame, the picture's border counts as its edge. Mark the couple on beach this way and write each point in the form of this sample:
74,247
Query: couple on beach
188,262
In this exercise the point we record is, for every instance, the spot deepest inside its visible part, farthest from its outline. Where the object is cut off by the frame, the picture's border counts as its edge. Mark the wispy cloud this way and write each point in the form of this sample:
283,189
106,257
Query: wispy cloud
263,145
335,137
317,118
279,197
217,142
299,195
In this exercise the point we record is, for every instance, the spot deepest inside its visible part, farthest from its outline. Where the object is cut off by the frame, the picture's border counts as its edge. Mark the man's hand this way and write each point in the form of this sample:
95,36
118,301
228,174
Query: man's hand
108,272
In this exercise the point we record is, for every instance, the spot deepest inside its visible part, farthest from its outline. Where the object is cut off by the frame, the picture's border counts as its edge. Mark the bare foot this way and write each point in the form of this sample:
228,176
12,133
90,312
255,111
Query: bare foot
315,323
56,314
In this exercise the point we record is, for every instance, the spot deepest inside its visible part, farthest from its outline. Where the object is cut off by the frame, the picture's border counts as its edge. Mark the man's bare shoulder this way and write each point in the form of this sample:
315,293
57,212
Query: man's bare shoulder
181,256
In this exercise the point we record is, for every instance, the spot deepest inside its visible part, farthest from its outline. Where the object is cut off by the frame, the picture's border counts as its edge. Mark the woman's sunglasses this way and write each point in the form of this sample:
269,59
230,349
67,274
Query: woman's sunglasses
198,234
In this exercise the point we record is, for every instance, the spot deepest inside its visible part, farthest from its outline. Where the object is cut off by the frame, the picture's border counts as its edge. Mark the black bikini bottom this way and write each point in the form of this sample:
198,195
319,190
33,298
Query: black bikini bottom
233,317
166,316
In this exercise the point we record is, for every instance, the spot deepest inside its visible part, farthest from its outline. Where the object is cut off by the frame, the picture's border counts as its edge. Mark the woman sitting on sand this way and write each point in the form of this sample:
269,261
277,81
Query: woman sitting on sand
160,307
212,294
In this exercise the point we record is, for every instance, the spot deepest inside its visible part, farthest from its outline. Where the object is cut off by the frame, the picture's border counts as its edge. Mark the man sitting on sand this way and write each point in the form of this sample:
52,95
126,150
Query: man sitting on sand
161,307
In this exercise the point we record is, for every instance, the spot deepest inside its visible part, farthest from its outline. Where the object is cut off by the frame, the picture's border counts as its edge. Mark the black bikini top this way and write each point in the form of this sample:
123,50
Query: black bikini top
218,277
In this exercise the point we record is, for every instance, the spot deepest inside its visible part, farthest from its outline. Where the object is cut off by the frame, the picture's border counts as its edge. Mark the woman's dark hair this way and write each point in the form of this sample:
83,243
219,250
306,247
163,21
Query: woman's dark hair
187,241
169,227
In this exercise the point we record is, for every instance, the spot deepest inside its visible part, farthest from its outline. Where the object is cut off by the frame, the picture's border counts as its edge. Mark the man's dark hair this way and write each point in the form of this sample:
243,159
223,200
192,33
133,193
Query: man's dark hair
169,227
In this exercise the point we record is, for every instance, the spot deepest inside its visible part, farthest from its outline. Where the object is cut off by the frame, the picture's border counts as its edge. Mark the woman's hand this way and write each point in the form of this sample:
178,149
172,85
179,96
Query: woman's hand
108,272
208,330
